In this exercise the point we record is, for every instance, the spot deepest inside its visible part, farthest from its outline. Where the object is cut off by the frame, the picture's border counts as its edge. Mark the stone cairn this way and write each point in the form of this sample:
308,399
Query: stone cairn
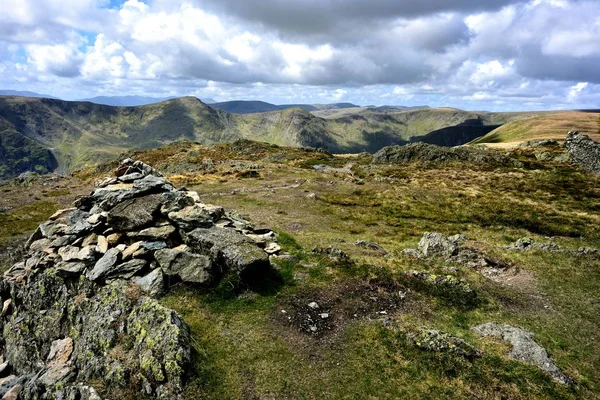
79,307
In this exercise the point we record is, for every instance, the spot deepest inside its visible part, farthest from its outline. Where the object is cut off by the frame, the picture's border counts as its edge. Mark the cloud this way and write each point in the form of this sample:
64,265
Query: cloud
497,53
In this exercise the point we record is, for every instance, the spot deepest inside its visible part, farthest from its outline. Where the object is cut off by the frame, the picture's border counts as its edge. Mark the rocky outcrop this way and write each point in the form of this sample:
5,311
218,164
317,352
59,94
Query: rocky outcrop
78,308
527,243
453,249
583,151
448,287
437,341
429,153
524,348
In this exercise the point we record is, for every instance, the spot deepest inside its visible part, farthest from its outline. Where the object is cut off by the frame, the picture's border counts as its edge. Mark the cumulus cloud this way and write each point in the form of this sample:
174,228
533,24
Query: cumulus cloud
497,53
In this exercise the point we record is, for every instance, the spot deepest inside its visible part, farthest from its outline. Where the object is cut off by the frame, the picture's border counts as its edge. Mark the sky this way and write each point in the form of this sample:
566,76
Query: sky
495,55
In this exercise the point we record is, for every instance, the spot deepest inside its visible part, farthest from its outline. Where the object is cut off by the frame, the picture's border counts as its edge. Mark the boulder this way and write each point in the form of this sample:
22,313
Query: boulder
436,244
583,151
189,267
191,217
229,250
524,348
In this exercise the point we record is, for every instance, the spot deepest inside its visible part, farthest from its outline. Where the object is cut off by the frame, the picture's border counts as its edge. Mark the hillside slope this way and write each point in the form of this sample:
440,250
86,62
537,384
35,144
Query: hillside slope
552,125
65,136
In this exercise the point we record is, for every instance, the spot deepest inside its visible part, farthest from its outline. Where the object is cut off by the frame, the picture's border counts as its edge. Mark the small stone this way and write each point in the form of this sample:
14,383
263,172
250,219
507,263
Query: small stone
87,253
154,245
127,269
102,245
66,269
69,253
40,245
7,379
272,248
104,264
129,251
63,241
192,217
154,233
121,246
131,177
62,213
3,367
60,352
314,305
94,218
90,239
153,283
114,238
324,315
13,393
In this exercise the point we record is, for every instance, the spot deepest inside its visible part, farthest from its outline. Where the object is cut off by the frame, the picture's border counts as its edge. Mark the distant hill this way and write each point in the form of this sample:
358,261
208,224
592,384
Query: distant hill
254,106
132,101
24,93
246,106
54,135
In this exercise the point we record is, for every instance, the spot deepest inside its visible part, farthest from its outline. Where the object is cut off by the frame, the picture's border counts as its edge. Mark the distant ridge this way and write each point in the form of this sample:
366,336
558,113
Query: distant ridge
25,93
132,101
256,106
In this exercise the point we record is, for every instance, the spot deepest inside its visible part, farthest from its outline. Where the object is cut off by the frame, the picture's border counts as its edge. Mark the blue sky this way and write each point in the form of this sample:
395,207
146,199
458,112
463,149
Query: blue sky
471,54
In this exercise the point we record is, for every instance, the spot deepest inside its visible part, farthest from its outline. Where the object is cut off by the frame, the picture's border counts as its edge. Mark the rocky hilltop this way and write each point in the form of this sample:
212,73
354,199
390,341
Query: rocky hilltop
80,307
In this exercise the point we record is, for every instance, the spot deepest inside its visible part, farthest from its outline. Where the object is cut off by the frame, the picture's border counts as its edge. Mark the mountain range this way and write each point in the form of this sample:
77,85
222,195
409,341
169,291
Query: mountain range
43,135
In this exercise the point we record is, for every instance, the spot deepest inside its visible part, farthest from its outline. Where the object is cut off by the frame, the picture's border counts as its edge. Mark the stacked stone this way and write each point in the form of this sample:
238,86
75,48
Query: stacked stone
73,297
137,226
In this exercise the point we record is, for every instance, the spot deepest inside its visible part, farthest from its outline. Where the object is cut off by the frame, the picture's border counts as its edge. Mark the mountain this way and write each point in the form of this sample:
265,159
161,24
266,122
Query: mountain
245,107
132,101
254,106
54,135
25,93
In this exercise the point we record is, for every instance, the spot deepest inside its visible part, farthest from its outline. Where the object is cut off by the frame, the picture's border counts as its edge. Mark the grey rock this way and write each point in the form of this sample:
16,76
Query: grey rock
451,288
175,201
13,393
192,217
583,151
189,267
154,233
441,342
436,244
40,245
127,269
228,249
524,348
69,269
153,245
429,153
69,253
370,246
135,213
527,243
152,183
134,176
104,265
153,284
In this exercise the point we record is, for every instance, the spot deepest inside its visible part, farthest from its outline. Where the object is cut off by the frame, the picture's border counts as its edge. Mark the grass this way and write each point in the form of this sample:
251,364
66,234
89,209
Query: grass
545,126
244,347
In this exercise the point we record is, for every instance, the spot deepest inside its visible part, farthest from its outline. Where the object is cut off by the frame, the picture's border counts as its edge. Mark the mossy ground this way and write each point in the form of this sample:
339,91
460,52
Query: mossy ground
244,349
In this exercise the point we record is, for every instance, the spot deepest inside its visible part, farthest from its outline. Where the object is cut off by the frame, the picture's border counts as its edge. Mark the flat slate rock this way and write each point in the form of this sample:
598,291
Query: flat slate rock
135,213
